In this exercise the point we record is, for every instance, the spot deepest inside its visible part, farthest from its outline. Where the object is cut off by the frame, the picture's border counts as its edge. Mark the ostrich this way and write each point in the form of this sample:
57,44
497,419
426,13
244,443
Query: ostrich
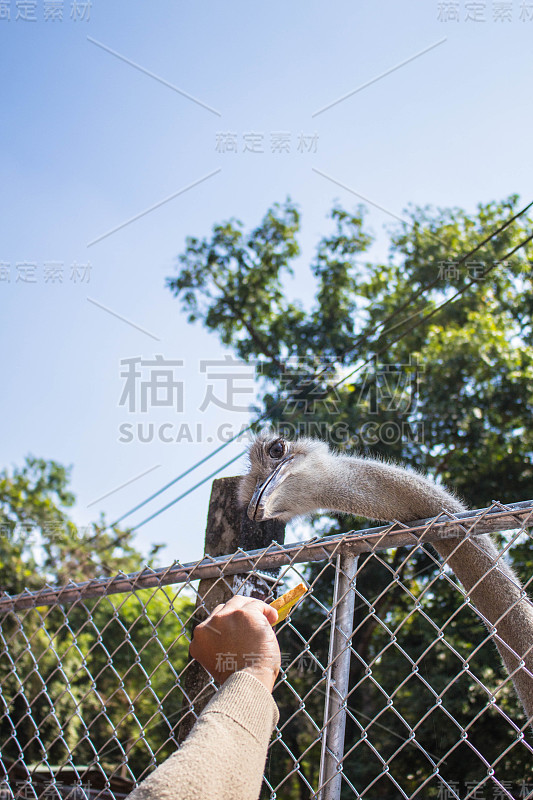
287,479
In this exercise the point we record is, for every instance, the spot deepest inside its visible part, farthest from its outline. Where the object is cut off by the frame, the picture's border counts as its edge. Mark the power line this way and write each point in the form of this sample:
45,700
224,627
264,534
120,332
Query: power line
462,260
171,483
414,296
126,533
192,489
434,311
416,324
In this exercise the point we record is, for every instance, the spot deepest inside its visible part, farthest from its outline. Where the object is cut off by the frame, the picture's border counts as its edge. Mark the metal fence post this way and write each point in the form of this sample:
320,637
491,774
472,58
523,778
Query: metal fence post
109,653
330,780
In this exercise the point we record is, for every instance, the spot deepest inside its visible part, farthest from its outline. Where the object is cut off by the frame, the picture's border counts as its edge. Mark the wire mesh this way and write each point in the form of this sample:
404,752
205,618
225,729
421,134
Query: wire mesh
390,687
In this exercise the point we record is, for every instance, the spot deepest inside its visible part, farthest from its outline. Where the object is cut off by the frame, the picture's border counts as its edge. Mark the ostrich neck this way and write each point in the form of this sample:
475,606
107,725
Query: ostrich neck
380,491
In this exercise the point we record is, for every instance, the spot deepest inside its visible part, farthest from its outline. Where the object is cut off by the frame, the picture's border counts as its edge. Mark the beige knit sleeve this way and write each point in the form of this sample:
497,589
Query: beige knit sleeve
224,756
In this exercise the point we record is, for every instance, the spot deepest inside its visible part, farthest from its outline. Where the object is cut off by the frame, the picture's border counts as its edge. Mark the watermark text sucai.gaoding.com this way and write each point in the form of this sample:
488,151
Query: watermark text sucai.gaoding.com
152,384
155,385
368,434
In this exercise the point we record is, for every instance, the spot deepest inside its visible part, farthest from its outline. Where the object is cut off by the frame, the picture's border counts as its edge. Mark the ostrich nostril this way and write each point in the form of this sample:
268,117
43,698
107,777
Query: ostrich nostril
255,513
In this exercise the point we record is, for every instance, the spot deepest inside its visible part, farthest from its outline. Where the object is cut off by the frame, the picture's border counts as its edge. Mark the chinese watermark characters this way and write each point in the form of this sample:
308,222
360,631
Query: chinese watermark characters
45,10
452,270
309,402
228,662
451,790
474,11
49,790
274,142
33,535
49,272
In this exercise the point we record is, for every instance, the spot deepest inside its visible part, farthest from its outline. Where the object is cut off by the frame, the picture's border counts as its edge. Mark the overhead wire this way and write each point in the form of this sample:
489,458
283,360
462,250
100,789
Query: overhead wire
433,311
126,533
357,369
267,413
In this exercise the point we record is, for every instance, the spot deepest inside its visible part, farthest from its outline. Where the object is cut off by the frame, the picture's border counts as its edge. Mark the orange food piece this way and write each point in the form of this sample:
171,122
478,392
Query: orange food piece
287,601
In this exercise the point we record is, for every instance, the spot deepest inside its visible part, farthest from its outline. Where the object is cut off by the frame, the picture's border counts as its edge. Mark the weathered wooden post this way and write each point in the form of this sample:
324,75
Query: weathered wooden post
228,528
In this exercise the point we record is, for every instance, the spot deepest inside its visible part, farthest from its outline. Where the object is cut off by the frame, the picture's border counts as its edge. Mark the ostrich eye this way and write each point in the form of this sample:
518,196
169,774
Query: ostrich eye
276,450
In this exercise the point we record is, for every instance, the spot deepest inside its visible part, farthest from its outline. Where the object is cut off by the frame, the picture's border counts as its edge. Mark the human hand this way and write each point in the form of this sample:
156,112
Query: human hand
236,636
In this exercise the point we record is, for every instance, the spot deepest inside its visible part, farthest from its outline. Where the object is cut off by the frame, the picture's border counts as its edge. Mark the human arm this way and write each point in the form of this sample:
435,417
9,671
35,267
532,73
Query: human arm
224,755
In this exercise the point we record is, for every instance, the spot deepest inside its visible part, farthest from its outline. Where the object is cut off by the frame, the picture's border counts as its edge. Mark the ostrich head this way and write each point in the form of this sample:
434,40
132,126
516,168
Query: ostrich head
280,480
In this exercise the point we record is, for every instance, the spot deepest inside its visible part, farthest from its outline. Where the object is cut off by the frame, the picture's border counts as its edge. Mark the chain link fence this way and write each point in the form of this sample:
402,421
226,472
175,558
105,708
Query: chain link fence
391,686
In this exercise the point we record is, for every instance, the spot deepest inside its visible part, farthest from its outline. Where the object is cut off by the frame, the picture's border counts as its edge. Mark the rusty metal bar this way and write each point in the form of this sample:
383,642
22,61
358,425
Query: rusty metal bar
497,517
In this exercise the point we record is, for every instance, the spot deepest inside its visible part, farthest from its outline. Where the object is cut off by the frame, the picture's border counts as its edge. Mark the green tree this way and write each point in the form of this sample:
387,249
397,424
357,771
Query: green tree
94,680
39,542
451,394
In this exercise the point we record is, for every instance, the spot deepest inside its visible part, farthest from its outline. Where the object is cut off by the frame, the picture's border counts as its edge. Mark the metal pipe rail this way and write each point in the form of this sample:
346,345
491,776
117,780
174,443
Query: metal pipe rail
93,694
497,517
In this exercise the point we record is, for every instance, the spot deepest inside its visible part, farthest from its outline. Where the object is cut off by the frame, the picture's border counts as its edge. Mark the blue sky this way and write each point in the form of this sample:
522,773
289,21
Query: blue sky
89,142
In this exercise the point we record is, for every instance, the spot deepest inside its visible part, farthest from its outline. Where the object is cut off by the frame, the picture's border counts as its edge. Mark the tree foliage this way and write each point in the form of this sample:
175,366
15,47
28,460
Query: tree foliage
90,681
375,366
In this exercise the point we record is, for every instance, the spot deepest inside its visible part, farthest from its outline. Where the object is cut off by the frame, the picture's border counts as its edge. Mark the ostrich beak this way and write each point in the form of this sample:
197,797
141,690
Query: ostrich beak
264,491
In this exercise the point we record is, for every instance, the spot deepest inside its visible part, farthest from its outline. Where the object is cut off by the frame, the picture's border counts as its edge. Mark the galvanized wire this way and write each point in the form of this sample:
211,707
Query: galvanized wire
390,683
